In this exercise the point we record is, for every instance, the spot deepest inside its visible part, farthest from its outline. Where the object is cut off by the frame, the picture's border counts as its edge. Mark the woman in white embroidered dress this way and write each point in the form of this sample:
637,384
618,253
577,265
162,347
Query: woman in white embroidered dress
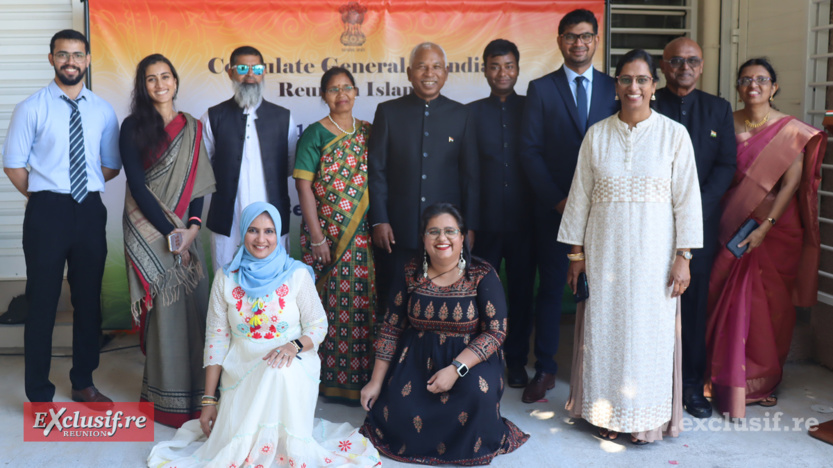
264,325
633,214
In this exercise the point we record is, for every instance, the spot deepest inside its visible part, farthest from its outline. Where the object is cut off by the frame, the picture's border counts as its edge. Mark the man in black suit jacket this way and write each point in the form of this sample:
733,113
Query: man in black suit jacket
505,198
251,144
709,122
422,150
559,108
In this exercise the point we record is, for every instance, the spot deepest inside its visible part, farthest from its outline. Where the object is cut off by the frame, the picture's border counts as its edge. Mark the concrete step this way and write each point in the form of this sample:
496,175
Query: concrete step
11,336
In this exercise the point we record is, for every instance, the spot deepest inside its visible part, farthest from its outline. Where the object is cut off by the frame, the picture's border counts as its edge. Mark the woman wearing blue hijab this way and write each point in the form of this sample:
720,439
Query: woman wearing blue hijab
265,322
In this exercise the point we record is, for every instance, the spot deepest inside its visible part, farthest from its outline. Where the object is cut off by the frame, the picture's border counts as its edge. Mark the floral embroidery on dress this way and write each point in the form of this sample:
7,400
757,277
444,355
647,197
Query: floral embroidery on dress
463,417
477,445
397,301
442,338
418,423
266,448
429,311
429,364
415,309
471,313
385,412
344,445
282,291
264,314
404,353
401,450
490,309
238,293
443,312
458,313
379,433
406,390
242,328
444,397
441,448
484,386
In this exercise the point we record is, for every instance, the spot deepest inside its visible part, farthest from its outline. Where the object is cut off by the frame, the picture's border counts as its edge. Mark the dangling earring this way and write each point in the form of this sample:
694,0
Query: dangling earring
616,97
771,98
653,97
425,265
461,265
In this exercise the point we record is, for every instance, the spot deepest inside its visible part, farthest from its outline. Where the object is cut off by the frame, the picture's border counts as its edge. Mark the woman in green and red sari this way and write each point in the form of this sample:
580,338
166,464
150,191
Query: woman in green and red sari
752,299
331,178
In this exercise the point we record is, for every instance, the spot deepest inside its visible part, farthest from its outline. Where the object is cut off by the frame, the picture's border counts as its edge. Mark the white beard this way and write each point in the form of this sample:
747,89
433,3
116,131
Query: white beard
247,94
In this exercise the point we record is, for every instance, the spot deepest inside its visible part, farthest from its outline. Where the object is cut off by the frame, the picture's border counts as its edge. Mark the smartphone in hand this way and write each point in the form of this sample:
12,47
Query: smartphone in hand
175,241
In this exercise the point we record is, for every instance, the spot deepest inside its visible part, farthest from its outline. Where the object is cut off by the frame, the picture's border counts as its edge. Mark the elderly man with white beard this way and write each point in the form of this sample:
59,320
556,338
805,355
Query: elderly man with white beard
251,144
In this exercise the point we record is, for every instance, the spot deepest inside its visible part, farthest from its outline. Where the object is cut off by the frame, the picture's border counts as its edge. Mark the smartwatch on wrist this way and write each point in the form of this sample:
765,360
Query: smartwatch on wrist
462,369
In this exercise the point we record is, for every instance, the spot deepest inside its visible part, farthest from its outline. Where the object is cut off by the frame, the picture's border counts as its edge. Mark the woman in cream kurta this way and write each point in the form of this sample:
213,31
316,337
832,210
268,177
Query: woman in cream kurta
634,200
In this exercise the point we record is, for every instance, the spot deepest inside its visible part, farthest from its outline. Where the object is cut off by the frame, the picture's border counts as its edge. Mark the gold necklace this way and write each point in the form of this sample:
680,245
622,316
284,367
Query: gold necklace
754,125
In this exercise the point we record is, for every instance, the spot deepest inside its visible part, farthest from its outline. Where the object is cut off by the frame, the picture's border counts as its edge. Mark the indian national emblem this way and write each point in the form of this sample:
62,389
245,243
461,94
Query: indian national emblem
352,15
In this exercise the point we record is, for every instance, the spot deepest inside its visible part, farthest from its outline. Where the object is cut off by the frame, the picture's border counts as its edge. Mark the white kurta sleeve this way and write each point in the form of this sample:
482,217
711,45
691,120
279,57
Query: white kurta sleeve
685,194
207,136
217,337
577,211
313,316
291,144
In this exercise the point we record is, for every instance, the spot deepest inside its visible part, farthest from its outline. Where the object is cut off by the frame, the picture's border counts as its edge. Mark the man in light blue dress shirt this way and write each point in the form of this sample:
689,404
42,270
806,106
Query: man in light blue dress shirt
68,137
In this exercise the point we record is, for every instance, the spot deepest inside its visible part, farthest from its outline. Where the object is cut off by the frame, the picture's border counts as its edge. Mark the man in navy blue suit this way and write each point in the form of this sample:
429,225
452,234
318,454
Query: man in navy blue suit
709,122
560,107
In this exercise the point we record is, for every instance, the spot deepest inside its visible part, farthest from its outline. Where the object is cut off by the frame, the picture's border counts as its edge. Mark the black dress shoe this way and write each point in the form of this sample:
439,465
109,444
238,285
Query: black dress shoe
696,404
516,377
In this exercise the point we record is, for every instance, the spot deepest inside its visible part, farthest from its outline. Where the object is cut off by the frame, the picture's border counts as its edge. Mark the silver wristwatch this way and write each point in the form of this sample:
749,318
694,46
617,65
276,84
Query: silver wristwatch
462,369
685,254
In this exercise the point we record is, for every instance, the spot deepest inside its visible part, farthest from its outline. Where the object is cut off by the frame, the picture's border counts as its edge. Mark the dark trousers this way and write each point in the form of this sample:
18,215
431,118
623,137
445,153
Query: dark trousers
57,231
551,257
387,266
694,315
516,249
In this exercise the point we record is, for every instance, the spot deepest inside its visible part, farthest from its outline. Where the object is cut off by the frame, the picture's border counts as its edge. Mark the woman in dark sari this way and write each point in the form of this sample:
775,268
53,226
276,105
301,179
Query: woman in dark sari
331,177
168,173
434,396
752,299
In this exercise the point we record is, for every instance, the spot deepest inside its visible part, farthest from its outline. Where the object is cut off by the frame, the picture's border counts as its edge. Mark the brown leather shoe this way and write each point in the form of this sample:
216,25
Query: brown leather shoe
90,395
537,388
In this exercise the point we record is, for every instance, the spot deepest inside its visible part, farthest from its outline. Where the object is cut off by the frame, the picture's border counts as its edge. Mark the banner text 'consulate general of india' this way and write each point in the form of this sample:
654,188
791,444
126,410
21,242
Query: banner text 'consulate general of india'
300,40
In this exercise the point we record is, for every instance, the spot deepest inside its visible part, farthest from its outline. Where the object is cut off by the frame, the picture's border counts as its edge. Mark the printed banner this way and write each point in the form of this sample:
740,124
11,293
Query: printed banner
300,40
86,422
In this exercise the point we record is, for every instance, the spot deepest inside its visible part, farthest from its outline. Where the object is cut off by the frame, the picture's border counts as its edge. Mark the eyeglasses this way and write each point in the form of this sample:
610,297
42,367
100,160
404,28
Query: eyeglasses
641,80
344,89
677,62
450,233
64,56
746,81
244,69
570,38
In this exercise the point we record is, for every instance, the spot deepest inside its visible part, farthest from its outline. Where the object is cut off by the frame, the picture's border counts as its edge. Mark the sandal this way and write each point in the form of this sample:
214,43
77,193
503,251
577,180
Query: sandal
608,434
636,441
769,401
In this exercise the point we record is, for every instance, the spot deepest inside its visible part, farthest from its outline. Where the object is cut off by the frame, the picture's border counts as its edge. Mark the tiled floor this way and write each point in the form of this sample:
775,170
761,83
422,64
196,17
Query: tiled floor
556,440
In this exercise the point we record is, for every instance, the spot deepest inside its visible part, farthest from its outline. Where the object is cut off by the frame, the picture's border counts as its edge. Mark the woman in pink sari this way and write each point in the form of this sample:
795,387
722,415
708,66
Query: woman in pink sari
752,299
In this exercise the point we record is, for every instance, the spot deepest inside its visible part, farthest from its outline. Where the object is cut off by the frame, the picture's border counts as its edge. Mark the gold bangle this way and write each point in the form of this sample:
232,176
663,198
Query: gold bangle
208,403
576,257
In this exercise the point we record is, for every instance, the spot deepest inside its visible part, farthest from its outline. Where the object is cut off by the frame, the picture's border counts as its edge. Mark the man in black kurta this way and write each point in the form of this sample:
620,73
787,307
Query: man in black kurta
708,120
506,232
422,150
